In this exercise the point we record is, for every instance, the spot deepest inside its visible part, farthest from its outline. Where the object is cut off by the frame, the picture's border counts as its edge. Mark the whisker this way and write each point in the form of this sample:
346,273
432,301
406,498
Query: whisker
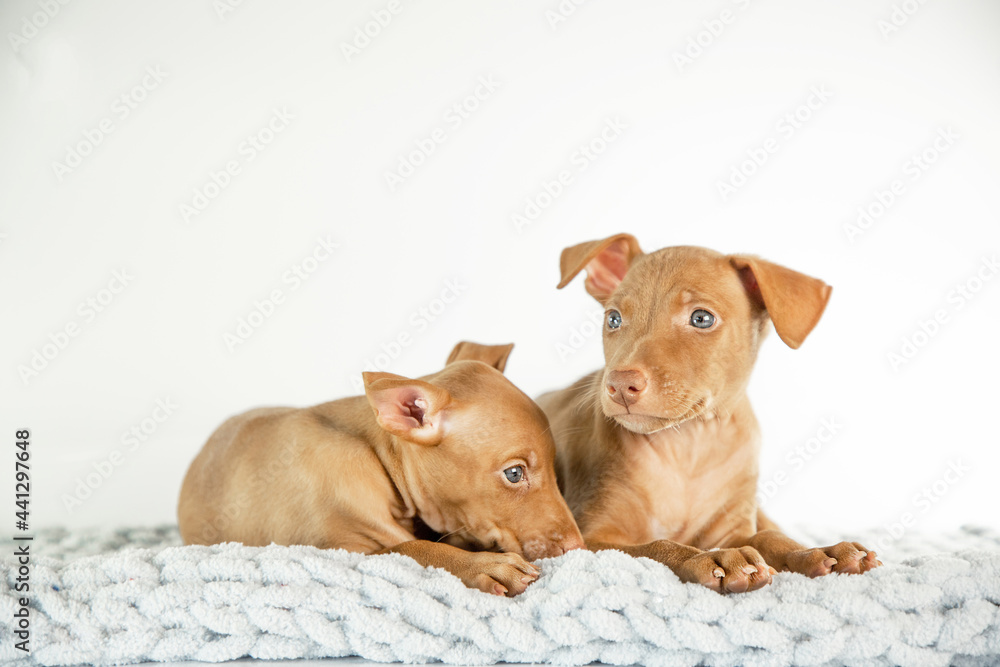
457,530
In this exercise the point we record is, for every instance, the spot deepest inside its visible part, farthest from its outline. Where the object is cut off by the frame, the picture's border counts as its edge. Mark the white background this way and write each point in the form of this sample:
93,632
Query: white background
687,126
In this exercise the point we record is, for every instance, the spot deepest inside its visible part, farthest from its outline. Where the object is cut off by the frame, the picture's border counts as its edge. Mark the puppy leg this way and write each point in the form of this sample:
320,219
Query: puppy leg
723,570
497,573
787,555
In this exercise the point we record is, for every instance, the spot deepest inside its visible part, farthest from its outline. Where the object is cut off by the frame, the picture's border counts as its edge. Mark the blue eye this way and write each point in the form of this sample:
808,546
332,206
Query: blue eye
614,319
702,319
514,474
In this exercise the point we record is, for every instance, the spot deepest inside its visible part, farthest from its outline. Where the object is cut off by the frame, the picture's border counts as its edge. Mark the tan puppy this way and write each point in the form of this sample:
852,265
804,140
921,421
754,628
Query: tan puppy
461,456
657,454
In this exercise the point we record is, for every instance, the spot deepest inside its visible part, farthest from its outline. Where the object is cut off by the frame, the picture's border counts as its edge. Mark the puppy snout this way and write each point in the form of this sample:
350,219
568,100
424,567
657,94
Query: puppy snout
625,387
574,542
555,545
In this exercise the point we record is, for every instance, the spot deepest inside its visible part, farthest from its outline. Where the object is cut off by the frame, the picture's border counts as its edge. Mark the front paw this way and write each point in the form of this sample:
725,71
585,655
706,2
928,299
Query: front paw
845,557
498,573
727,570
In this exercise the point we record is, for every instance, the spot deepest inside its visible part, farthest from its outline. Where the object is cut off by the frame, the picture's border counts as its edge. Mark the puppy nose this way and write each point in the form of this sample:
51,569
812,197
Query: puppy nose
570,543
625,387
558,544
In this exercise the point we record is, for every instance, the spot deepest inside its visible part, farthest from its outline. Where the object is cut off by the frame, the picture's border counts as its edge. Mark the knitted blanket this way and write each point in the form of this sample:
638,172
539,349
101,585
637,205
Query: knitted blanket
137,595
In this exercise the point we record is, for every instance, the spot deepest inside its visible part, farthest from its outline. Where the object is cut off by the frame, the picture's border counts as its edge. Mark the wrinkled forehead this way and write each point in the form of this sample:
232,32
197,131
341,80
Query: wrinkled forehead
477,382
503,434
494,405
679,275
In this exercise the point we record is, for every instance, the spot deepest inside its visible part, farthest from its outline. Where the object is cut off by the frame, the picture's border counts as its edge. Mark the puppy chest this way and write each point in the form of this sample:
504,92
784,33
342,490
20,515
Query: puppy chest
692,505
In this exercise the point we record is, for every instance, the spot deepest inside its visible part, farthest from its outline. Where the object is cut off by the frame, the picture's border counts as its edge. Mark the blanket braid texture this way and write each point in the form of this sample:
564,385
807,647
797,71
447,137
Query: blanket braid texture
127,596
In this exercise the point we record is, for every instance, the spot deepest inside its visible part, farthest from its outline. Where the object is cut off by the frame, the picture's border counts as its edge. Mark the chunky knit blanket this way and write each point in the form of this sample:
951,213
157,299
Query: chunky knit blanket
137,595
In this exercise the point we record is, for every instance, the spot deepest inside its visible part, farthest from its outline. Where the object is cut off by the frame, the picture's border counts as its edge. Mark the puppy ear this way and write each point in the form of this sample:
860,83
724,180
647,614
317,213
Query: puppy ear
494,355
793,300
606,262
410,409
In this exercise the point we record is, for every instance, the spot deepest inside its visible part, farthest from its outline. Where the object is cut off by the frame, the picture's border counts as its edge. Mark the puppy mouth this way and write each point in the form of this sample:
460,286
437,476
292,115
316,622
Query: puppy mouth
474,544
496,541
646,424
469,538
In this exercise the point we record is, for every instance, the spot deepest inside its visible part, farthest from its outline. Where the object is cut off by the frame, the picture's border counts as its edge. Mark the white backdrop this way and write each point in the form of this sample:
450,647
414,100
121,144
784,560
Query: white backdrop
169,169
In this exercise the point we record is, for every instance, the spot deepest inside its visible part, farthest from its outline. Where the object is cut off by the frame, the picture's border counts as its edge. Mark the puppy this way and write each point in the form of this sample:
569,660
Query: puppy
461,458
657,454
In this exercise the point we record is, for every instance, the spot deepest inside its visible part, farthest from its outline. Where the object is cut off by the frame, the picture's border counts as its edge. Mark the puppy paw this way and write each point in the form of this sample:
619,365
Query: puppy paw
499,573
727,570
844,557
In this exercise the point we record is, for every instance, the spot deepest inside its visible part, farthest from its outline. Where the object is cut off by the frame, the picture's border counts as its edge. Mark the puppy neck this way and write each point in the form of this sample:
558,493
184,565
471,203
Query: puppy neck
400,459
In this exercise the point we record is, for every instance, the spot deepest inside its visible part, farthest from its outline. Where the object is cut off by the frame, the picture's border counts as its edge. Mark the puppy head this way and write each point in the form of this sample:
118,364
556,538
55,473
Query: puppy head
479,459
682,325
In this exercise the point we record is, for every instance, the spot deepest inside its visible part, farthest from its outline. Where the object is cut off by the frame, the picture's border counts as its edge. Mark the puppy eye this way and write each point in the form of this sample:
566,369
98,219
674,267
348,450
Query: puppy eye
614,319
514,474
702,319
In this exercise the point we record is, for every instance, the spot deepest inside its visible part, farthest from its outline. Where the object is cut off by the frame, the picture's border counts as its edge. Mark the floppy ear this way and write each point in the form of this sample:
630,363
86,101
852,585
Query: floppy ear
793,300
606,261
410,409
494,355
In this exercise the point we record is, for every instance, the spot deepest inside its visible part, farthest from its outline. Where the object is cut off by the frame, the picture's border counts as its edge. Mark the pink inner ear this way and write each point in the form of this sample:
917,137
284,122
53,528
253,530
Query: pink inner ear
402,408
608,269
415,409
